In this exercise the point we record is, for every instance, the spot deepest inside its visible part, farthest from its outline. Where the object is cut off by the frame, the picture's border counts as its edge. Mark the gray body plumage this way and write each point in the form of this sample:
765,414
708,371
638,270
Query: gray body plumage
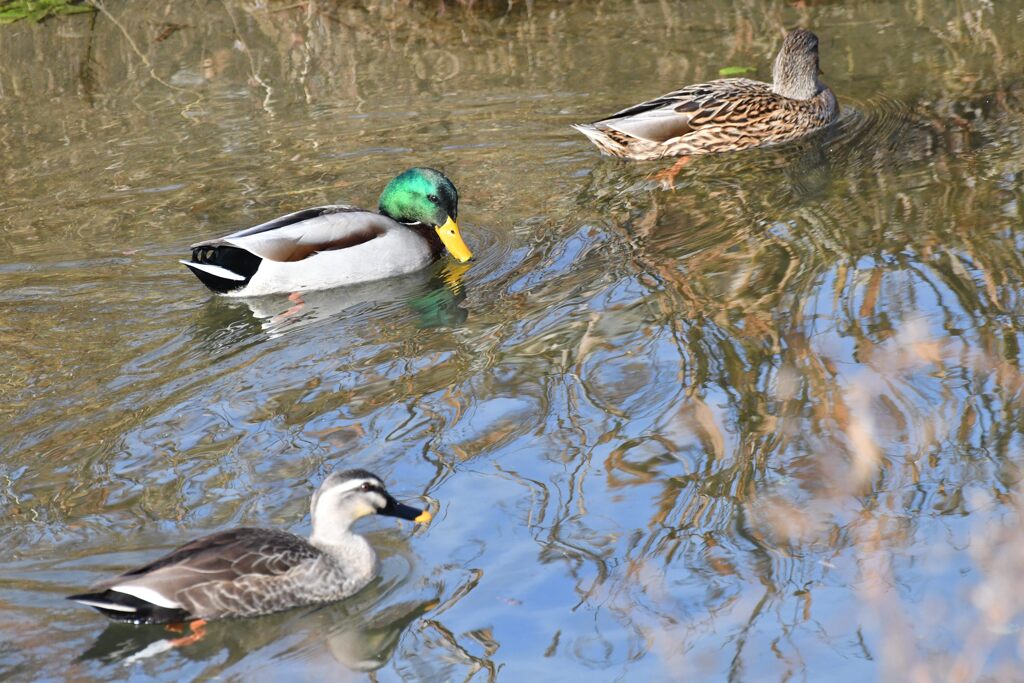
258,571
248,571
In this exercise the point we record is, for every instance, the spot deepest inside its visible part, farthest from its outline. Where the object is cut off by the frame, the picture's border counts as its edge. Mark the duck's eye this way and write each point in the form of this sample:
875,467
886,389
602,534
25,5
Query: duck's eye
433,198
367,486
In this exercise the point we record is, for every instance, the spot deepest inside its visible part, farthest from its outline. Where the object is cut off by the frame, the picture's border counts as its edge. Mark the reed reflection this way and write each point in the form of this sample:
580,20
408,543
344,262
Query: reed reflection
763,426
837,384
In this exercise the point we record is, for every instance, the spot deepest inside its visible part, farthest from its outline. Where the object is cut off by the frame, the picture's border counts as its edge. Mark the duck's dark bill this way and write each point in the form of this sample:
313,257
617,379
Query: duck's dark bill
396,509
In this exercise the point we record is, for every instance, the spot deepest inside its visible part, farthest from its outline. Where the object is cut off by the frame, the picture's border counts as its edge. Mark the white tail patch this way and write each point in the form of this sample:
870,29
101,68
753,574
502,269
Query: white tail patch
147,594
216,271
113,607
587,130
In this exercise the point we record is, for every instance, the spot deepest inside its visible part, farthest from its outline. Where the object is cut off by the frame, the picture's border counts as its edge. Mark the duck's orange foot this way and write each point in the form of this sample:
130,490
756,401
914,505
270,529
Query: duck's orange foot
667,178
295,298
198,628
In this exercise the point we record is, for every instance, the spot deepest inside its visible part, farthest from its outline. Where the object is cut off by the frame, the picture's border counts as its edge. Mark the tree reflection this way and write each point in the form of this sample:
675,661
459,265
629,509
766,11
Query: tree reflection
759,425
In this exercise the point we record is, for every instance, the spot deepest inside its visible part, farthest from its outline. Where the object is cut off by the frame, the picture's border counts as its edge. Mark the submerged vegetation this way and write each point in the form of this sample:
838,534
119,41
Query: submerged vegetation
37,10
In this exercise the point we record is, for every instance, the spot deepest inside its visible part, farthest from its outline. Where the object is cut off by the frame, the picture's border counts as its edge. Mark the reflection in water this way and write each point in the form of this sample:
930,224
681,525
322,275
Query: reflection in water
433,294
765,426
367,644
359,641
360,633
821,368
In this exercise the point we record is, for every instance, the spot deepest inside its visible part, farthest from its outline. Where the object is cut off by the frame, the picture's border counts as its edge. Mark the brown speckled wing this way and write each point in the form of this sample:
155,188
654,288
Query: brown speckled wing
719,116
683,111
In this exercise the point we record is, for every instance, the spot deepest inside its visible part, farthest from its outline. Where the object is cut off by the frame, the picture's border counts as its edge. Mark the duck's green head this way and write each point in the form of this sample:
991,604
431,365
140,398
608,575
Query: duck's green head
423,195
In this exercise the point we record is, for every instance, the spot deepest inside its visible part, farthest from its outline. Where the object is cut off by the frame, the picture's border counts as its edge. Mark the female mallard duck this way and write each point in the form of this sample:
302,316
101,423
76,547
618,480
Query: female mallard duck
247,572
727,114
329,246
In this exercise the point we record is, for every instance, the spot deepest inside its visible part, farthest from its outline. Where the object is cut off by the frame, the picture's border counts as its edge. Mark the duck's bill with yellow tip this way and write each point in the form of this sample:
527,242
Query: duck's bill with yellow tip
246,572
407,512
451,237
336,245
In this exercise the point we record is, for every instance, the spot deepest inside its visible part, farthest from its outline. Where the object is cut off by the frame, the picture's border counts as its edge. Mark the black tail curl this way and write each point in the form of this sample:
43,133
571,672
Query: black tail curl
232,258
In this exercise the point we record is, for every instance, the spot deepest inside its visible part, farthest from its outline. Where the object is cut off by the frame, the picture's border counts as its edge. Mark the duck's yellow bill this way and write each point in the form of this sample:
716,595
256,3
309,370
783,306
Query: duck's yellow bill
424,517
452,239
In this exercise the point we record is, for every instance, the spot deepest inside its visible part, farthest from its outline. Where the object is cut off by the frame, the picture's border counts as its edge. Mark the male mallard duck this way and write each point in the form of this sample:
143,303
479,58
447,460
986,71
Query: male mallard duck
329,246
248,572
727,114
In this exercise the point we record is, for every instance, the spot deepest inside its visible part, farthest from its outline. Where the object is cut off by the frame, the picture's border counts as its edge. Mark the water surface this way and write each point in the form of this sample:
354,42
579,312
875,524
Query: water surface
764,425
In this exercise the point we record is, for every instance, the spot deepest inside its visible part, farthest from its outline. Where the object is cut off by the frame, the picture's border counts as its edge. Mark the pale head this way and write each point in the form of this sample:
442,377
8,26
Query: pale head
344,497
795,72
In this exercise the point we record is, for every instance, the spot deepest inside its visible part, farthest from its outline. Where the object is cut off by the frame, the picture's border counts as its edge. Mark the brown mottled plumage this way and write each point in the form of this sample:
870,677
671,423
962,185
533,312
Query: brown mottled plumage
727,114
